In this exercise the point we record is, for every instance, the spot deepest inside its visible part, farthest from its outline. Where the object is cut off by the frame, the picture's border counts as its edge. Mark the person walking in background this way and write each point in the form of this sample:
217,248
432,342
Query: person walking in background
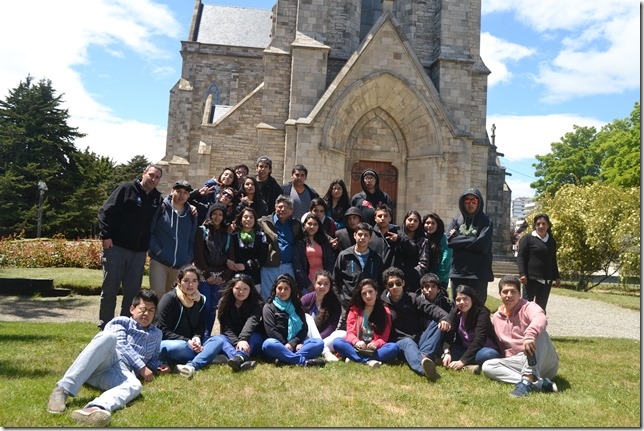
528,356
470,238
212,242
126,350
172,241
537,261
439,254
299,191
124,228
371,196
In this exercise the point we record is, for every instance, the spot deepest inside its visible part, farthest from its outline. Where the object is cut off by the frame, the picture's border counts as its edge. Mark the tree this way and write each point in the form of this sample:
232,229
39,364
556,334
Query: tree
36,144
597,228
619,147
573,160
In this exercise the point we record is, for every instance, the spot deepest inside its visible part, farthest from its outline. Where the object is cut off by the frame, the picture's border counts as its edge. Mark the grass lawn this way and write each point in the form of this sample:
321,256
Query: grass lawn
598,379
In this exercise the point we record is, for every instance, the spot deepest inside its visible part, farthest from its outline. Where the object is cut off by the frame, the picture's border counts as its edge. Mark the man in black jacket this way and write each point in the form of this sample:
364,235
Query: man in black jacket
124,223
371,197
299,191
409,312
267,186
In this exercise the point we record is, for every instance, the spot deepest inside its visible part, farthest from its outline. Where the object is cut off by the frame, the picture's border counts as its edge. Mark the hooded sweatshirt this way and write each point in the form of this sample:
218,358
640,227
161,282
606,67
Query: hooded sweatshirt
368,202
471,242
173,235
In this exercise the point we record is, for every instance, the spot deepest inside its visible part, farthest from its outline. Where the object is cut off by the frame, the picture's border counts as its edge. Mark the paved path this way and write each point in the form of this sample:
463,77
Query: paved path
566,316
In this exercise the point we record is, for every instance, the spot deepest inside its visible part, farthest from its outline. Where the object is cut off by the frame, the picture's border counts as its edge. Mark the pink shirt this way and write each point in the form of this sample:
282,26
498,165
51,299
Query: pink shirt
527,320
314,257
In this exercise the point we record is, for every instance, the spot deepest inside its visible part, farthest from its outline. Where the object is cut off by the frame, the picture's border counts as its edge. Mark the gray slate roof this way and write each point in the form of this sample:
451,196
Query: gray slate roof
235,26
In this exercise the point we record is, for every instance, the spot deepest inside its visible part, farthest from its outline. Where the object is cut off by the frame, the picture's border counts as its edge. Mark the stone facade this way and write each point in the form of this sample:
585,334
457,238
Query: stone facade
411,93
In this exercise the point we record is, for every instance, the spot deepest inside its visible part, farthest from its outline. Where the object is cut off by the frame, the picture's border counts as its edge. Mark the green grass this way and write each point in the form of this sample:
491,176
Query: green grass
614,296
599,382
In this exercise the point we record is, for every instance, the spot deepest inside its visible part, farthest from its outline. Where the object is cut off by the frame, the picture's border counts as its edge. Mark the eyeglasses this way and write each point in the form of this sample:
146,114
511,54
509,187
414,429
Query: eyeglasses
394,283
473,200
240,276
228,195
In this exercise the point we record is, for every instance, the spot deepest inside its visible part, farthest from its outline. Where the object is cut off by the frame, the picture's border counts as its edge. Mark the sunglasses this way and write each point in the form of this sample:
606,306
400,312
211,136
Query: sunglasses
394,283
240,276
228,195
473,200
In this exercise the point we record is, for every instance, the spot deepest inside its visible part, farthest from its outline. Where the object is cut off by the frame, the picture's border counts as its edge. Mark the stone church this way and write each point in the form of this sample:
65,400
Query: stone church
341,85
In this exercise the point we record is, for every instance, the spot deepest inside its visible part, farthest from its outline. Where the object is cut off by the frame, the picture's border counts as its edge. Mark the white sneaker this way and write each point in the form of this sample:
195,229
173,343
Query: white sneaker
330,357
373,363
186,371
92,416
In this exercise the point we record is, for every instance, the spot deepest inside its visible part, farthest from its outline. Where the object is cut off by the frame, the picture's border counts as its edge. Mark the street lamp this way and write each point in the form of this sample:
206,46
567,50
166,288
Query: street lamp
42,188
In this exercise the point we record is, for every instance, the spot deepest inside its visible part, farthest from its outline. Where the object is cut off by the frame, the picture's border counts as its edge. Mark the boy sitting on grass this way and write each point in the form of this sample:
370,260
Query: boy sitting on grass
520,328
126,350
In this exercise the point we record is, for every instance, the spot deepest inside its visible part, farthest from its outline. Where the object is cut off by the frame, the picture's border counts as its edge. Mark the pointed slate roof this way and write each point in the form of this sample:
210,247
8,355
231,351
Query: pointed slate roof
235,26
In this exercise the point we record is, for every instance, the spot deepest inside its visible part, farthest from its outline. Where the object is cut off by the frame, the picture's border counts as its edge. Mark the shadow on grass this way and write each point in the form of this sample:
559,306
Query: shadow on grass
9,369
40,309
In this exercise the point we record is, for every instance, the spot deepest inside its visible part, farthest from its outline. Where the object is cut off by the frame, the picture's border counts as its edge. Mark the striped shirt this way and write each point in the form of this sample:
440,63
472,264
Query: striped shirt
138,346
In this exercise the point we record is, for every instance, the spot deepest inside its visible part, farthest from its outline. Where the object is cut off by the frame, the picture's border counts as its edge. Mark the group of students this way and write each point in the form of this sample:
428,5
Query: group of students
317,280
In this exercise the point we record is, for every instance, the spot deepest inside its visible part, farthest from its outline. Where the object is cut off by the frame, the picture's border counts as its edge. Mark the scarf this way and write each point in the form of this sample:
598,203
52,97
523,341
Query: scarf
247,237
187,301
294,322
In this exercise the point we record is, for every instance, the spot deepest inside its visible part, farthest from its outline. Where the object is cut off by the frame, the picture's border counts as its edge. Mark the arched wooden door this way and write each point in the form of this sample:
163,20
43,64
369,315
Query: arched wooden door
387,174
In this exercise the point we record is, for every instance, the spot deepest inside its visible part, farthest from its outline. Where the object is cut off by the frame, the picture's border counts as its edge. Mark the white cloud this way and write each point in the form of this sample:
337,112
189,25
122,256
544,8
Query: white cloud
53,37
600,51
496,53
520,188
523,137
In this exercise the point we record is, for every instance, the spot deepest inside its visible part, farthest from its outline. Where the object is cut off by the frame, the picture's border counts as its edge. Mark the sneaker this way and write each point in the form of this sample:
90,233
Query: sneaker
373,363
92,416
476,369
549,386
429,369
347,360
247,365
316,362
279,363
235,363
57,401
187,371
522,389
220,359
330,357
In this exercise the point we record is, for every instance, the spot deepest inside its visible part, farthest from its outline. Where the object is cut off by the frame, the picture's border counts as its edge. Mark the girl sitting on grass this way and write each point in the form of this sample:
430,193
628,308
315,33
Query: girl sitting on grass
240,326
323,311
182,318
286,327
472,340
368,327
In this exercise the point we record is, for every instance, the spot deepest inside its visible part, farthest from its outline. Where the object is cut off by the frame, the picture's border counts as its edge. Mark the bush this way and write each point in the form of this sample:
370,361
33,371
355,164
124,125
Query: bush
47,253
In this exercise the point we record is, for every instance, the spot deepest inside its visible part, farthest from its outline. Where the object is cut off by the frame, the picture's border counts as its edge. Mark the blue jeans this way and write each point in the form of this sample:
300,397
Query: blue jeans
457,350
274,349
430,343
120,266
270,273
212,294
99,365
255,343
179,352
386,353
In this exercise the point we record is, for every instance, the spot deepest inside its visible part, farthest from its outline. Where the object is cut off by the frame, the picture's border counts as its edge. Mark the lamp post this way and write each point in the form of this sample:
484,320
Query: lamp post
42,188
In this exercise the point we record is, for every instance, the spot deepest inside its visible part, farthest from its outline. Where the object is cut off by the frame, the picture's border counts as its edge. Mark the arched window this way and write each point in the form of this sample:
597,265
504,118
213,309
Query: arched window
213,99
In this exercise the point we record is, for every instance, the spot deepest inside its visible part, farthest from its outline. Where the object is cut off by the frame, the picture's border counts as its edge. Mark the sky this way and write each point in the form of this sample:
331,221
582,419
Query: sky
553,63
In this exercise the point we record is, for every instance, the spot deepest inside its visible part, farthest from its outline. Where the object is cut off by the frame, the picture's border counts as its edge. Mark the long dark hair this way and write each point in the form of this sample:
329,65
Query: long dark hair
418,233
477,306
546,218
227,300
330,302
343,202
434,239
239,216
295,293
378,317
242,189
320,236
235,183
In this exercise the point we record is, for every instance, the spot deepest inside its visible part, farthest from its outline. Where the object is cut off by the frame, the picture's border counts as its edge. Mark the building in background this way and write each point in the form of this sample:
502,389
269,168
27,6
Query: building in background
397,86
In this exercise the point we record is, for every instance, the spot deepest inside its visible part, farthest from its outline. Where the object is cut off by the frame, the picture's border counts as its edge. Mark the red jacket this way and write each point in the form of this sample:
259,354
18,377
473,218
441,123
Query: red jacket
354,322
